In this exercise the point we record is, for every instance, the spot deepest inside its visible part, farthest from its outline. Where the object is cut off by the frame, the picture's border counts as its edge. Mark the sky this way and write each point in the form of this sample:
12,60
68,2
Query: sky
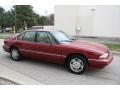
44,7
40,9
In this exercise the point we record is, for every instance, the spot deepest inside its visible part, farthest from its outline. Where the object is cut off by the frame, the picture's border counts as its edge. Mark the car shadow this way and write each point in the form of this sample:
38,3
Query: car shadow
54,66
92,71
44,63
38,63
63,68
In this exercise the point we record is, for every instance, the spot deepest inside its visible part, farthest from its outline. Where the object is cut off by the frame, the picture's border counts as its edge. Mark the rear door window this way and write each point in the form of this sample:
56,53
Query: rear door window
29,36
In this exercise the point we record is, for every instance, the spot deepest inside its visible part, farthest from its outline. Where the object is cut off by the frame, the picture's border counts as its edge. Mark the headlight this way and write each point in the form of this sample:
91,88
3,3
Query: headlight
104,56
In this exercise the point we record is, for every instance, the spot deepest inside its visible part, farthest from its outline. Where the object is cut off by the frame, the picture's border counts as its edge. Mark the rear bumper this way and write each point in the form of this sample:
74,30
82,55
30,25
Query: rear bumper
101,63
6,48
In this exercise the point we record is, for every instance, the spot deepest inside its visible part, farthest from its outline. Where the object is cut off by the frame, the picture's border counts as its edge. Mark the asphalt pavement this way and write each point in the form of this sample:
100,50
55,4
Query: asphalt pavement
54,74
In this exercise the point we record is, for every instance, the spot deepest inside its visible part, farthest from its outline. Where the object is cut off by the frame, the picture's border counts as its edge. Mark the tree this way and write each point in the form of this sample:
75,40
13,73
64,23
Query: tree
9,19
21,15
48,20
6,18
2,11
24,14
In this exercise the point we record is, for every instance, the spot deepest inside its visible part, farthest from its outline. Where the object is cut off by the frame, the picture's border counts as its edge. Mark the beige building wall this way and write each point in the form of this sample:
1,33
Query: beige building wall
65,18
88,20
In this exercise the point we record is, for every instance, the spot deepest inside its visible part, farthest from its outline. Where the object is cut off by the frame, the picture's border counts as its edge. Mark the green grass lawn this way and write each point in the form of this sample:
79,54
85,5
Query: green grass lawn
5,35
114,47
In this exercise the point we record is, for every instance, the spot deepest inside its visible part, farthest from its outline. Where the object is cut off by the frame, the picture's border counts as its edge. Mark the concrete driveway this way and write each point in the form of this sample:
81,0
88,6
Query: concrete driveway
48,73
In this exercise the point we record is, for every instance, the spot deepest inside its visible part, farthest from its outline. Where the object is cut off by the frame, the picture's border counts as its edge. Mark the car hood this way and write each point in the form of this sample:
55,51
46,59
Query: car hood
88,45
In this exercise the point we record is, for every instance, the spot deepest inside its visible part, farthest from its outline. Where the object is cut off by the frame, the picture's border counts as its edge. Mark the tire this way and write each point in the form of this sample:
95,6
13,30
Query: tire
15,54
77,64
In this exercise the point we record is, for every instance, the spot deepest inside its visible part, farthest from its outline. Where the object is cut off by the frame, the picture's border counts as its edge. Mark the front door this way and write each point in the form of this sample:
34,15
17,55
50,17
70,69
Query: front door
47,48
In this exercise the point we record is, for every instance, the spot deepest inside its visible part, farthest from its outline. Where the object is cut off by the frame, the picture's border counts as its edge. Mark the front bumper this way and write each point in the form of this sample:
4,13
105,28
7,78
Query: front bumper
101,63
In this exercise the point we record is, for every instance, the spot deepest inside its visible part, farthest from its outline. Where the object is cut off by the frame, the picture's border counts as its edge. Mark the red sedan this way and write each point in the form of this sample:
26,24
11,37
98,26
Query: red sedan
57,47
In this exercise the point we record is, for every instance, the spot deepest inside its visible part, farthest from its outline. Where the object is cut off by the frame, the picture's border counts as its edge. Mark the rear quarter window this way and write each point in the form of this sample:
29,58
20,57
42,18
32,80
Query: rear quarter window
20,37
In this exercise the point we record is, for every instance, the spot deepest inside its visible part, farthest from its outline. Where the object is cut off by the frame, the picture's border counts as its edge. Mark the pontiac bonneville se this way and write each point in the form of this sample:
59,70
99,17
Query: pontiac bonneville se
57,47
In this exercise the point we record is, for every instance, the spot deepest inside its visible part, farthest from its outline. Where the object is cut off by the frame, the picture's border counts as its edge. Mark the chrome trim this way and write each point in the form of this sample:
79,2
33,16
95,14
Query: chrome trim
97,60
42,53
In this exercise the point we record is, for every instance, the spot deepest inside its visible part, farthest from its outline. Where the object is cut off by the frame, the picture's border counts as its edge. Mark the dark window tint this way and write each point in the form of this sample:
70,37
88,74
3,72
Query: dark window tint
42,37
20,37
29,36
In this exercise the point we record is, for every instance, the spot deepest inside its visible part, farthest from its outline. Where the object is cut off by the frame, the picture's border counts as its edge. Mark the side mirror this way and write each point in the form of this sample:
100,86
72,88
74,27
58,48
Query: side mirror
48,42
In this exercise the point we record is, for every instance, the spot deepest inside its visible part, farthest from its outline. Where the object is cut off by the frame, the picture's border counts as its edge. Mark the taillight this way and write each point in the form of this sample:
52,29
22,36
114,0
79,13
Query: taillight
5,41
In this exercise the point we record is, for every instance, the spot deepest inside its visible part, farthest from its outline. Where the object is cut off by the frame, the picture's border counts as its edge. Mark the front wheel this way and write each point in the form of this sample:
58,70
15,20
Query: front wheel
77,64
15,55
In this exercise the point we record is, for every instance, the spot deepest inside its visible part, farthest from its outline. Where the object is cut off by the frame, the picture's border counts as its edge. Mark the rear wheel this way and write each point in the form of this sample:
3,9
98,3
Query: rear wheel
15,55
77,64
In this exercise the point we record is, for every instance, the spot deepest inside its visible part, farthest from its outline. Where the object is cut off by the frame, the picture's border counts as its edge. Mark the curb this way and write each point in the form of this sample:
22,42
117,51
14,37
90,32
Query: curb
115,52
17,77
6,81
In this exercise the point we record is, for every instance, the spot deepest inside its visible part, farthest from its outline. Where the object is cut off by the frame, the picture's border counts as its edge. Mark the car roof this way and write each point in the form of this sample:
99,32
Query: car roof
48,30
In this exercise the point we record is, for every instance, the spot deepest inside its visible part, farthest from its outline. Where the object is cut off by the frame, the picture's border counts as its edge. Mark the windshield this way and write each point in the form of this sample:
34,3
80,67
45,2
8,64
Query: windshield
61,37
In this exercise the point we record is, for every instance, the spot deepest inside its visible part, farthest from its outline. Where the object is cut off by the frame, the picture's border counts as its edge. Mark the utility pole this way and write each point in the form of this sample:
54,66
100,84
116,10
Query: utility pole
15,18
45,21
14,27
25,25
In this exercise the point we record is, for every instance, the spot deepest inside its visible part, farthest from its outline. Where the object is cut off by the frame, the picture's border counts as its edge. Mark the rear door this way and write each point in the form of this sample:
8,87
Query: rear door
26,44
